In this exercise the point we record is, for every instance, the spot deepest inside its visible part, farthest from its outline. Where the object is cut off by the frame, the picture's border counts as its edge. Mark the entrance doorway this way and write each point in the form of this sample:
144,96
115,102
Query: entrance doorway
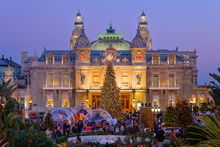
125,102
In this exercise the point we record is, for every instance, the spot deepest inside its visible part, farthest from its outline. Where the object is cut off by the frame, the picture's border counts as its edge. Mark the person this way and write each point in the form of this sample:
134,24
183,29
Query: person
122,129
160,137
172,137
78,139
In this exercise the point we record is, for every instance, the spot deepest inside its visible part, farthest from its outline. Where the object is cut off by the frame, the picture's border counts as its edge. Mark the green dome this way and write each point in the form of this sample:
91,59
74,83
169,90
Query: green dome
116,40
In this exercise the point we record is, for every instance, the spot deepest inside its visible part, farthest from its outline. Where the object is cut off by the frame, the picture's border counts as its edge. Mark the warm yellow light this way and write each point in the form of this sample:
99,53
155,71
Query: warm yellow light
78,18
143,18
30,101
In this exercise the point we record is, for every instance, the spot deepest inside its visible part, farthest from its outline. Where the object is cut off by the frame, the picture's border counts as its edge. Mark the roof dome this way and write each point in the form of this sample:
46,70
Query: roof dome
138,41
111,38
83,41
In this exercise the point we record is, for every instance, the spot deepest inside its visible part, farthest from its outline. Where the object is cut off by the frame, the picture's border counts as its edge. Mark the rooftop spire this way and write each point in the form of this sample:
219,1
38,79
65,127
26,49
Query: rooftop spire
79,19
138,41
143,19
83,41
110,29
78,13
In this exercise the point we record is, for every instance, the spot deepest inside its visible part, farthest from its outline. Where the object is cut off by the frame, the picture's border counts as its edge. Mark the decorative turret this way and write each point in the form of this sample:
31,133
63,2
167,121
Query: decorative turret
138,49
144,30
83,49
138,41
77,30
83,41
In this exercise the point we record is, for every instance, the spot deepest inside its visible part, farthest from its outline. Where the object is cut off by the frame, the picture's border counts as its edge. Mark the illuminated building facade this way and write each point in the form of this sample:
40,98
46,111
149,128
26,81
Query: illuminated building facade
63,78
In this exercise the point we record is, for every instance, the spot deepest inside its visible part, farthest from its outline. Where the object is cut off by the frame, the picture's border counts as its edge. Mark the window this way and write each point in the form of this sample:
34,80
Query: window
125,102
49,59
171,101
124,78
96,78
172,59
50,102
66,80
65,102
57,80
155,101
65,99
155,80
49,79
156,59
95,101
171,80
64,59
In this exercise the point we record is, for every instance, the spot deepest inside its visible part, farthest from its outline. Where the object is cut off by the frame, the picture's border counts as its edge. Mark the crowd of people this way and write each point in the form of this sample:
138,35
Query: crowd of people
130,124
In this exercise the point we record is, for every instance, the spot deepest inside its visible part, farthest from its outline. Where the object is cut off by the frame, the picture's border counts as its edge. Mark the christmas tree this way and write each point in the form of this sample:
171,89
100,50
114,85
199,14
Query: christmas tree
183,114
110,94
169,118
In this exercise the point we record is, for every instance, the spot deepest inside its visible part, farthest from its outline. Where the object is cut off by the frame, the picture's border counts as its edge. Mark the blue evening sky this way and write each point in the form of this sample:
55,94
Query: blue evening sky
30,25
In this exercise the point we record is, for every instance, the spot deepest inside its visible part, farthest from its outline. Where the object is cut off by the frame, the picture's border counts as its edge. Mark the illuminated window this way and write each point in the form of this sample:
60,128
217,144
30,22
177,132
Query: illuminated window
171,80
172,59
50,102
57,80
155,80
49,79
155,100
49,59
64,59
66,79
124,78
65,99
171,101
95,101
156,59
96,78
65,102
125,102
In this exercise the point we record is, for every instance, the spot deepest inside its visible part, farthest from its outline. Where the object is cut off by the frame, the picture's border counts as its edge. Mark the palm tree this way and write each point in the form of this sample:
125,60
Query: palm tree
215,88
10,114
205,136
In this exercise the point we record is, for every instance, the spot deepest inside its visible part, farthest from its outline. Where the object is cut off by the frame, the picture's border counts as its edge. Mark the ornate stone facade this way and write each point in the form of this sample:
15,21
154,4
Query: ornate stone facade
68,77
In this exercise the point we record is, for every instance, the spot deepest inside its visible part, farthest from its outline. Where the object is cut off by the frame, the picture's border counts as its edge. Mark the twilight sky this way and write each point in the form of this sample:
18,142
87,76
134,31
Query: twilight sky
30,25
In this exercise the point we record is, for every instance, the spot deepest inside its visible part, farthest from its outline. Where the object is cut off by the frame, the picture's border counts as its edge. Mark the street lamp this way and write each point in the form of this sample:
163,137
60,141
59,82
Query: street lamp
155,109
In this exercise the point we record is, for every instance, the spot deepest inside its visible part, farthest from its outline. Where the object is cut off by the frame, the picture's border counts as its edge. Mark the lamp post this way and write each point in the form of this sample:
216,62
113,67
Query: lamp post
156,110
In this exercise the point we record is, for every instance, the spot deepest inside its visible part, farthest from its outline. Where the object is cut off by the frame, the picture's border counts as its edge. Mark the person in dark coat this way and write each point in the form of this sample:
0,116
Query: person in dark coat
160,137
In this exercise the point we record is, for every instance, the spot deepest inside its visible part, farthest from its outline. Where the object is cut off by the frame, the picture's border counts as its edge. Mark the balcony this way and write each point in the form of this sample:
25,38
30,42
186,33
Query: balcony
164,88
57,88
35,64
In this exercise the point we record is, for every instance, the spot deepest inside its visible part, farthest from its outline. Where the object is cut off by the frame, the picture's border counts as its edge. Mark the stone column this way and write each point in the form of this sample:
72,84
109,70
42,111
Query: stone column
71,99
44,100
59,99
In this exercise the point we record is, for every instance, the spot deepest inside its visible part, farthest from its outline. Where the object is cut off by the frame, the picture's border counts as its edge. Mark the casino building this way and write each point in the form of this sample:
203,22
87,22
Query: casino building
64,78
